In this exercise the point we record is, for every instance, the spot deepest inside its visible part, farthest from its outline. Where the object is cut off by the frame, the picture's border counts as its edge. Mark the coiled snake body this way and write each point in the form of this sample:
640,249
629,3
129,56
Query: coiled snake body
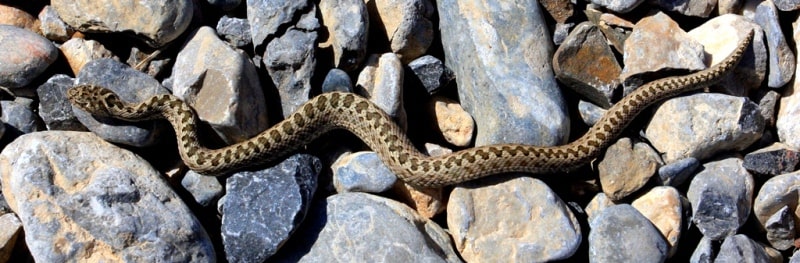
361,117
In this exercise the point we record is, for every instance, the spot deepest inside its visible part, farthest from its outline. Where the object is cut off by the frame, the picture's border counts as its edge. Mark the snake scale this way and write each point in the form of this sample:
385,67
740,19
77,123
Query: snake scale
358,115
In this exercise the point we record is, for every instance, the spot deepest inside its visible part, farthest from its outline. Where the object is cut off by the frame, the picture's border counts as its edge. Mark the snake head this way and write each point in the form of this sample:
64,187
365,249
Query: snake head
92,99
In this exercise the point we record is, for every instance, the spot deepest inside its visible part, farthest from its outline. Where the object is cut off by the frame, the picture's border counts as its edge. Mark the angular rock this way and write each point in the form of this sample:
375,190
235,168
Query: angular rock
696,8
405,24
704,252
362,172
236,31
786,123
164,22
674,174
19,116
536,226
560,10
222,85
23,56
662,205
10,229
81,198
704,124
263,208
599,202
131,86
337,80
595,81
381,81
79,51
780,229
52,26
151,62
781,59
740,248
618,6
787,5
431,72
621,234
721,196
627,167
773,160
204,189
452,121
777,193
347,23
54,108
352,227
509,91
266,17
768,103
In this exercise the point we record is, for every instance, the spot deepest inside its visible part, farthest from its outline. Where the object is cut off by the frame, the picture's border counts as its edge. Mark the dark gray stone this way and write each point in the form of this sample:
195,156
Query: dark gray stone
621,234
225,4
703,253
431,72
263,208
203,188
721,196
54,108
23,56
131,86
674,174
780,229
234,30
768,105
19,116
741,249
781,59
773,160
337,80
362,172
697,8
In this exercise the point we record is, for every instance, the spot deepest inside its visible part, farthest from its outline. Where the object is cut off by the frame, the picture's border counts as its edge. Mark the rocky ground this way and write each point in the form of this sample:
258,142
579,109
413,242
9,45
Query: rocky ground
707,176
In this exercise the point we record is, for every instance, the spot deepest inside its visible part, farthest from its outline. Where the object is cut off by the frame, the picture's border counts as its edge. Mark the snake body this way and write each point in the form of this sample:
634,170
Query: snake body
358,115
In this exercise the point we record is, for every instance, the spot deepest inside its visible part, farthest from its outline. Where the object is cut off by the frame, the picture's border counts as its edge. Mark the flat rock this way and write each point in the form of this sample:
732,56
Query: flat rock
381,81
347,23
721,196
362,172
165,20
621,234
23,56
781,58
406,24
704,124
131,86
222,85
536,225
54,108
627,167
105,202
352,227
452,121
772,160
662,205
263,208
78,52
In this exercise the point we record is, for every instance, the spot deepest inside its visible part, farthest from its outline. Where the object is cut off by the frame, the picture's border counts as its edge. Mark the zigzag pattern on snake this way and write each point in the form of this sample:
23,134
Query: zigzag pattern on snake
361,117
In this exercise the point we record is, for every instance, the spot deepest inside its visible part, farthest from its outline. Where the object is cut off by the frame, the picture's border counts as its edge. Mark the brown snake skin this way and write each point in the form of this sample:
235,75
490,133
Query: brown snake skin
348,111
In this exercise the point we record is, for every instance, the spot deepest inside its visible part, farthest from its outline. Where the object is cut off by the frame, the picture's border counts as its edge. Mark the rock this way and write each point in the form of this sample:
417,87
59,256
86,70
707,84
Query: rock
226,5
509,91
362,172
590,113
236,31
704,252
657,45
151,62
266,17
431,72
618,6
696,8
131,86
775,195
79,197
52,26
768,104
165,20
781,59
10,229
621,234
595,81
704,124
780,229
721,196
662,205
10,15
675,173
427,201
19,116
381,81
452,121
597,204
222,86
786,124
773,160
740,248
23,56
626,167
361,227
560,10
405,24
787,5
337,80
263,208
204,189
79,51
347,24
536,225
290,61
54,108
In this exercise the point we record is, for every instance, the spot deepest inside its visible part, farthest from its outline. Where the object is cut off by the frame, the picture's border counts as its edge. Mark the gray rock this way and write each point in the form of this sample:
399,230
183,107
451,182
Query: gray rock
618,6
590,113
768,104
52,26
24,58
337,80
290,60
203,188
234,30
263,208
704,124
721,196
54,108
405,24
704,252
151,62
775,194
675,173
81,198
621,234
509,91
786,124
362,172
19,117
222,86
787,5
381,81
780,229
596,81
431,72
536,224
626,168
773,160
10,229
663,206
131,86
347,23
79,51
781,59
165,20
353,227
795,258
226,5
696,8
740,248
266,17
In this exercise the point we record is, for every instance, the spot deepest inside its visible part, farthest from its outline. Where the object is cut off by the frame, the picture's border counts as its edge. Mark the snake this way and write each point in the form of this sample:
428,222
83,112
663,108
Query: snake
361,117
